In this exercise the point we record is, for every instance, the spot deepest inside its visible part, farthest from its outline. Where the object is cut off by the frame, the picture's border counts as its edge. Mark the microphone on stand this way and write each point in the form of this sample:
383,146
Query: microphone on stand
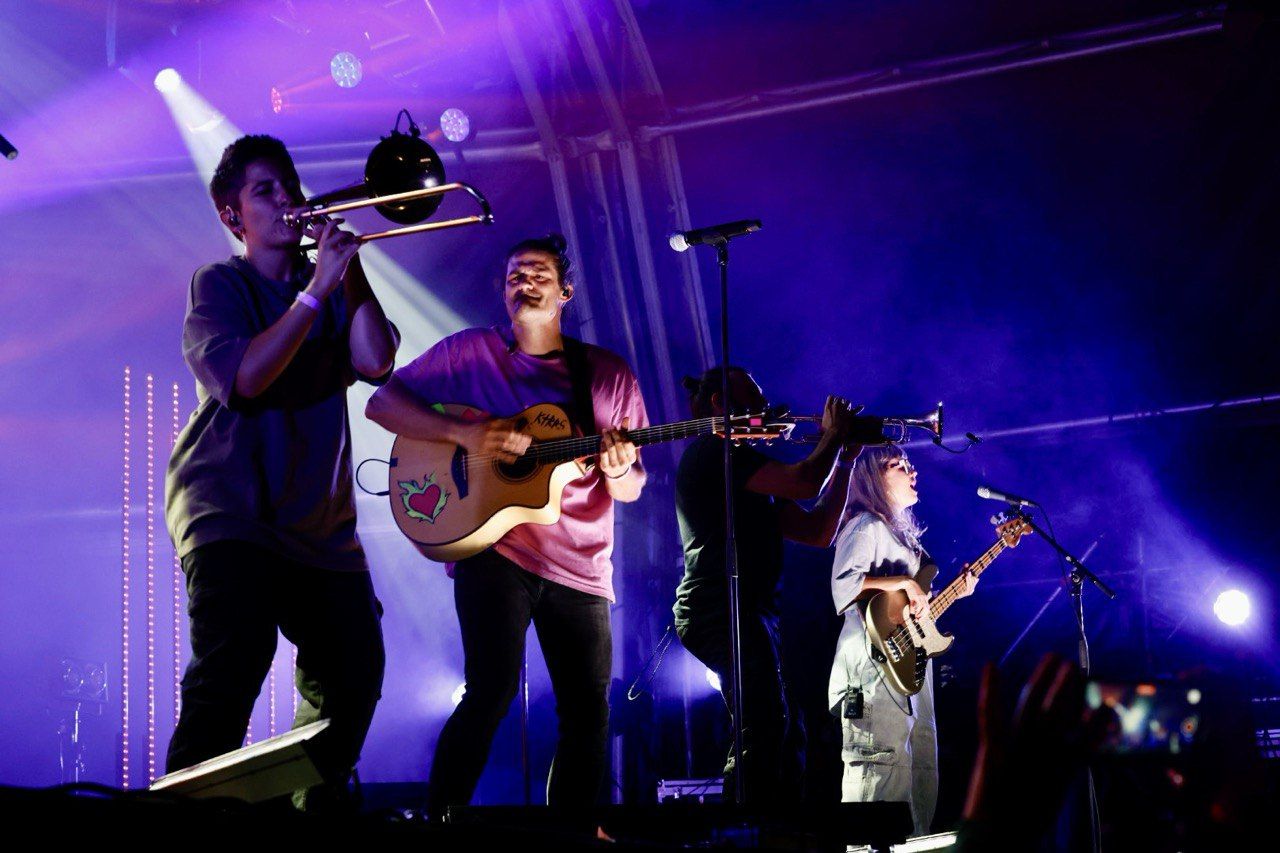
993,495
713,235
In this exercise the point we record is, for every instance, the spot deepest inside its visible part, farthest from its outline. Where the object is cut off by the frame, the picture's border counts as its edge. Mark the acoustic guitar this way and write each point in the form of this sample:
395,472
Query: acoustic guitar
454,504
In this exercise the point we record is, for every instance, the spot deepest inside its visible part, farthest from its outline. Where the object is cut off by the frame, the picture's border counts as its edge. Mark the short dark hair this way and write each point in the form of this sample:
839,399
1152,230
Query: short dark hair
228,178
701,389
552,244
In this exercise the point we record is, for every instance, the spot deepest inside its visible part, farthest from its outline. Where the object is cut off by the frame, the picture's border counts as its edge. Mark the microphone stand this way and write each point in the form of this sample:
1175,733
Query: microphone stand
1053,596
719,236
1077,576
730,537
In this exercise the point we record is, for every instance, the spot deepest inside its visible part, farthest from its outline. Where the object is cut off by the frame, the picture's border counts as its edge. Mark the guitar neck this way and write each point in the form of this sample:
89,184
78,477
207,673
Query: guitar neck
567,449
948,596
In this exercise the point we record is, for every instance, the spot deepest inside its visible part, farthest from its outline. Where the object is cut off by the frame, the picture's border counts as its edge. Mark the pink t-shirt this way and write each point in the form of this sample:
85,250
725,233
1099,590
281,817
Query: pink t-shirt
481,368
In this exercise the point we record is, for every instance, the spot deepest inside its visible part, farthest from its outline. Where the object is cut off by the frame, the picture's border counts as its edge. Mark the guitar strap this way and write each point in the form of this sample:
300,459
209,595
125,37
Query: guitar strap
584,411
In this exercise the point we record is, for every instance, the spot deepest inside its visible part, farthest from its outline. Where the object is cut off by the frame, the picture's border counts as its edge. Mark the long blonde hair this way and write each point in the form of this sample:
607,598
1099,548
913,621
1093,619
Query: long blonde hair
867,494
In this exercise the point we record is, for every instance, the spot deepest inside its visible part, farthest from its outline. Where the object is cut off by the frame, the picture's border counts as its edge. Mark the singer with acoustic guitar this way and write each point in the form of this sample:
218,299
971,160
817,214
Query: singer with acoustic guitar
465,391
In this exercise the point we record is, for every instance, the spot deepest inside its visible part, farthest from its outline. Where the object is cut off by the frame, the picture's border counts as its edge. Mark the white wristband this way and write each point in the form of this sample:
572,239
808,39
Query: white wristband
308,300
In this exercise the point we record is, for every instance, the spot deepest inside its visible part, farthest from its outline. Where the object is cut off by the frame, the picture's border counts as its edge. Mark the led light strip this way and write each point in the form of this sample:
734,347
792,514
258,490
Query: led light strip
177,589
151,582
126,506
271,700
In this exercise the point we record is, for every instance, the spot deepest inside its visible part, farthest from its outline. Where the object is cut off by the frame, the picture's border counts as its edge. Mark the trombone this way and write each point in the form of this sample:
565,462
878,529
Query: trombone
894,428
404,181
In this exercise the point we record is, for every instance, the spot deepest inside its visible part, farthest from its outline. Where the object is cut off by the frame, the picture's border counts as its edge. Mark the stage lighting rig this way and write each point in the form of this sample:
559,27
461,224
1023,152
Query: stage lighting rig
455,125
1232,607
82,681
346,69
167,80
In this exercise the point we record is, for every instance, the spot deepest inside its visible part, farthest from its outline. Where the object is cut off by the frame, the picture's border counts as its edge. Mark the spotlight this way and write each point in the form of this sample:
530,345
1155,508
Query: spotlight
1232,607
345,69
168,80
455,125
713,680
458,693
82,681
277,101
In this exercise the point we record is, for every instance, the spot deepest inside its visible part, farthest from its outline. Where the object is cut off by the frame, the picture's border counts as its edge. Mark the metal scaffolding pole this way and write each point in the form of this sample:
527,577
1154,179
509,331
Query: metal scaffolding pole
1122,418
664,150
919,75
555,161
594,173
634,191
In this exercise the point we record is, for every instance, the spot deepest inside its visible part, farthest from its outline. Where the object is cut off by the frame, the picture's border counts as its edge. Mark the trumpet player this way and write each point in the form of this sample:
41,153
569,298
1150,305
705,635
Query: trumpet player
258,493
766,492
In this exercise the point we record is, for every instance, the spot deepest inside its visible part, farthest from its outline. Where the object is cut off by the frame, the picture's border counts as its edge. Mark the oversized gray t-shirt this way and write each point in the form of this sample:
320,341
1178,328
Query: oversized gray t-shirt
865,546
274,470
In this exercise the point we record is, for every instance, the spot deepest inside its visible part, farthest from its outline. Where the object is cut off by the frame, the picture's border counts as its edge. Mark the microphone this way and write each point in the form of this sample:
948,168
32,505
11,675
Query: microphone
992,495
7,149
714,235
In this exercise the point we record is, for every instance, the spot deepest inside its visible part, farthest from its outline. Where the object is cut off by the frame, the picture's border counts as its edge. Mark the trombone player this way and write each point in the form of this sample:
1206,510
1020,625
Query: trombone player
258,493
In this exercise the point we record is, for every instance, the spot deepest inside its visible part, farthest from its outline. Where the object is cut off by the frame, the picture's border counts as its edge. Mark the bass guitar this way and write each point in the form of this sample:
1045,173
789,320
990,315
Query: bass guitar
902,644
454,504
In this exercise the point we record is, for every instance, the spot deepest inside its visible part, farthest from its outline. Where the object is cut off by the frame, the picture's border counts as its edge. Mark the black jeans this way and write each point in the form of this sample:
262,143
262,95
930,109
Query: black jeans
496,600
773,734
238,595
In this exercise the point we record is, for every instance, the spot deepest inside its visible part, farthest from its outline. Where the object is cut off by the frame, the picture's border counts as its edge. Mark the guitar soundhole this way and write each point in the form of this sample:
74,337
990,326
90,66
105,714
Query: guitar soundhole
518,471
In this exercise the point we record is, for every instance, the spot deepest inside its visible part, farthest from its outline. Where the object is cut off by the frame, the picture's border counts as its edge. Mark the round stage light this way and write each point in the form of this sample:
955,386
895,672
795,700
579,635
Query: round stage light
455,124
346,69
168,80
713,680
458,693
1233,607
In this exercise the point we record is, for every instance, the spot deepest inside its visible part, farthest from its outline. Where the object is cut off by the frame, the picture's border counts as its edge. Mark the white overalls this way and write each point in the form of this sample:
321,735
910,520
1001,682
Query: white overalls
891,752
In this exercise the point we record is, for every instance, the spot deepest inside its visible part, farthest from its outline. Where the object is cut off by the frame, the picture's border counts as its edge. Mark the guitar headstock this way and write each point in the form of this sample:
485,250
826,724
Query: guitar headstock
1011,527
766,425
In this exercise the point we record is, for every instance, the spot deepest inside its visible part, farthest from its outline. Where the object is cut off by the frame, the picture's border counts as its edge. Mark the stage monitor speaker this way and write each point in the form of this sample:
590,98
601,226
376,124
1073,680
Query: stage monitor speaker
260,771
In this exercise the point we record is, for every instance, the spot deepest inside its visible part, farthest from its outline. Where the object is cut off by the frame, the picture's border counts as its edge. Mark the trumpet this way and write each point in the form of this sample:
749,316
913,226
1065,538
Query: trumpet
404,181
894,428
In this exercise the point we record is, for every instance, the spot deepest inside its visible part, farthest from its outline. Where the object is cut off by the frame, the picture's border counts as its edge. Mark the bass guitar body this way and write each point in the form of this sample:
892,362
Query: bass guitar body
901,644
454,504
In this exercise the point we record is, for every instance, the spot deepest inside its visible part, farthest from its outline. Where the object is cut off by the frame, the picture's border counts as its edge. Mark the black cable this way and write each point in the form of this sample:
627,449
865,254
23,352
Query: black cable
659,652
970,439
380,494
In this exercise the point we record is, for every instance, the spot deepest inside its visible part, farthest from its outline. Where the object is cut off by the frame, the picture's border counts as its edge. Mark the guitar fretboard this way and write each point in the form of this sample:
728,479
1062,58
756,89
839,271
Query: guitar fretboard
948,596
566,449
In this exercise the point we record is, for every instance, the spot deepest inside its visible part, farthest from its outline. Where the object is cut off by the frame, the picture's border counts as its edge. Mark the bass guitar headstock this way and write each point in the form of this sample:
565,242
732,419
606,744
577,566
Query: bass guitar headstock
1011,526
